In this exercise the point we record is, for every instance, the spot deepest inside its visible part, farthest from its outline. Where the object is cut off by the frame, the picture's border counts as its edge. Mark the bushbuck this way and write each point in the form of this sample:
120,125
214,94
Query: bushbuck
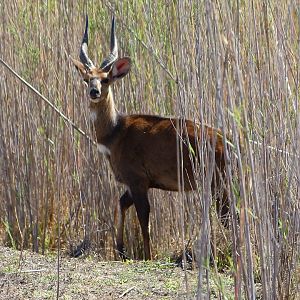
142,149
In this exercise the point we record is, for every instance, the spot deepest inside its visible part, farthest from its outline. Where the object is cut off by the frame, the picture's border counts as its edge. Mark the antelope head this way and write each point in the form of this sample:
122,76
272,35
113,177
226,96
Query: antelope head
99,79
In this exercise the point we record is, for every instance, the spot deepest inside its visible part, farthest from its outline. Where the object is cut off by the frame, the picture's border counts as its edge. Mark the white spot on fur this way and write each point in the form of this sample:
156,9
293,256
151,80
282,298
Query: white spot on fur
93,115
103,149
128,190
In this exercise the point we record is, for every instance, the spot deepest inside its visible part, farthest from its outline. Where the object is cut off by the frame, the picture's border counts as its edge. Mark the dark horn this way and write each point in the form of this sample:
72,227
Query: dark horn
107,62
83,49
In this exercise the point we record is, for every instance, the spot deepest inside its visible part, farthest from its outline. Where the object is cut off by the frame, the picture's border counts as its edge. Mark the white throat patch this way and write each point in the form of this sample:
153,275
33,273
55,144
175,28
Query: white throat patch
103,149
93,115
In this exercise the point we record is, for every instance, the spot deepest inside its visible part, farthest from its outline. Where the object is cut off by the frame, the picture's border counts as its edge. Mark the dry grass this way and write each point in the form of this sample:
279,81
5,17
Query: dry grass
232,64
29,275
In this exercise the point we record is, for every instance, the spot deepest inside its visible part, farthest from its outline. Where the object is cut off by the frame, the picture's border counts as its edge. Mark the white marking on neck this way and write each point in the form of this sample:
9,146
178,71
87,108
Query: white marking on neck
93,115
103,149
128,190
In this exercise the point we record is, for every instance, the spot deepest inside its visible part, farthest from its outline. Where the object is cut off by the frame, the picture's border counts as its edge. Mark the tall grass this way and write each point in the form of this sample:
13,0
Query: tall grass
231,64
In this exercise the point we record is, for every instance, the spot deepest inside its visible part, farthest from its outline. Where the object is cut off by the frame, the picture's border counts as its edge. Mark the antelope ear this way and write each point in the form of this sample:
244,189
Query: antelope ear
120,68
79,66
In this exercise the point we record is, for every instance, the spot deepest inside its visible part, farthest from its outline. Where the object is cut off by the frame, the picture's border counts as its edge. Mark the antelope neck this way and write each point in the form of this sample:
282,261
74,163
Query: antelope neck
104,118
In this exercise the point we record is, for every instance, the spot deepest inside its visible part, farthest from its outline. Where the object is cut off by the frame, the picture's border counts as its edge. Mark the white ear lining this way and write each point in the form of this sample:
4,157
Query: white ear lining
114,71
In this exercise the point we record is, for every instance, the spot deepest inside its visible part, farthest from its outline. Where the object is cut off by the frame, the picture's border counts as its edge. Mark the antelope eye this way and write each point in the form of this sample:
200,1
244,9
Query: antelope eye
105,80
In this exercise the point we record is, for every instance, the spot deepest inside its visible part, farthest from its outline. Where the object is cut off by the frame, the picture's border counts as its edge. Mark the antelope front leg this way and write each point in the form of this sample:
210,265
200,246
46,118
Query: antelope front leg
124,203
142,206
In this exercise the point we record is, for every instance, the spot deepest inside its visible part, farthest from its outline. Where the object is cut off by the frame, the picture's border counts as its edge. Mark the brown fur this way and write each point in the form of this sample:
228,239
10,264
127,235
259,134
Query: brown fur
142,151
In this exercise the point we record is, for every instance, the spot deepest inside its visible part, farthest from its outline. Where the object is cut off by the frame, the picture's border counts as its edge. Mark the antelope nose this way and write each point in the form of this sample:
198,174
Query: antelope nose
94,93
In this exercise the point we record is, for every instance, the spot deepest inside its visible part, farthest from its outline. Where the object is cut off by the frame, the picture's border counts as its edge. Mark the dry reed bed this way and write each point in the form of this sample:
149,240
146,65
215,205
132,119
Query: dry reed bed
231,64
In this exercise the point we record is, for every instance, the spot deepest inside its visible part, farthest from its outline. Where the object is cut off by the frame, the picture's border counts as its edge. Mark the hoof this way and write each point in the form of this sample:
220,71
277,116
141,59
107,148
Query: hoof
80,249
122,253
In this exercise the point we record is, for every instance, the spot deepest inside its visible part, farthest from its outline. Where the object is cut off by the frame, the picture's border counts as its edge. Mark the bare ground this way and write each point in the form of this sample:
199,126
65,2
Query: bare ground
33,276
